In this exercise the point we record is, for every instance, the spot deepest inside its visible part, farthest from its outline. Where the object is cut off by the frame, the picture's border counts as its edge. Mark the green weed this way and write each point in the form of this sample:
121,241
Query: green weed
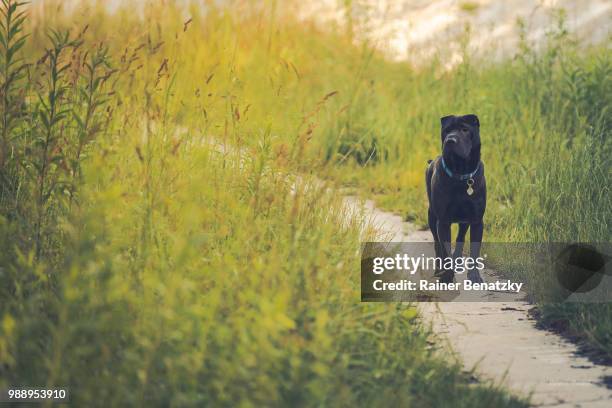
141,265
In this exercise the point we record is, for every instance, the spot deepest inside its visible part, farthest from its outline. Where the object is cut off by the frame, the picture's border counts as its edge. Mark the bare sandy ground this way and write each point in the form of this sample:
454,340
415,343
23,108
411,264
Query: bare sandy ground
416,29
499,339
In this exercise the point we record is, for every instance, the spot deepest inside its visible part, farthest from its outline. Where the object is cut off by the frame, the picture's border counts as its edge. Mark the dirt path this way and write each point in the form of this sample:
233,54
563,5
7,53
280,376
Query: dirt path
500,339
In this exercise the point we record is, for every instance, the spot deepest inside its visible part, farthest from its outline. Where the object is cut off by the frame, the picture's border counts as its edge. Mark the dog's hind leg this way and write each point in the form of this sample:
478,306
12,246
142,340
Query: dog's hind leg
444,237
475,242
460,240
433,226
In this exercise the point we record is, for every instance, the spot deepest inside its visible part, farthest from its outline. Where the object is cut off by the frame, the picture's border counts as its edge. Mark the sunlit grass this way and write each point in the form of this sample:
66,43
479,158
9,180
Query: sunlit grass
142,266
170,272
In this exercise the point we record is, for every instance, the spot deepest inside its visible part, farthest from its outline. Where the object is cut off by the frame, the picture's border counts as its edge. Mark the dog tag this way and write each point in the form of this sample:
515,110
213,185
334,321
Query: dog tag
470,190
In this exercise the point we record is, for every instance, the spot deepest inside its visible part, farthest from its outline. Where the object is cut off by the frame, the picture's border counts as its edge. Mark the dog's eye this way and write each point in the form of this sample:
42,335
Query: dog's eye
464,129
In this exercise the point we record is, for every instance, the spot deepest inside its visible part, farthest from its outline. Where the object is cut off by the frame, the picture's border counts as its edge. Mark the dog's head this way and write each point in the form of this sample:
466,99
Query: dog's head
460,134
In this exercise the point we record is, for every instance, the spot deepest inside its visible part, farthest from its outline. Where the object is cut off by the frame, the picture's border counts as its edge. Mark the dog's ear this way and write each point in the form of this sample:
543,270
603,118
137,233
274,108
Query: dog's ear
445,120
472,120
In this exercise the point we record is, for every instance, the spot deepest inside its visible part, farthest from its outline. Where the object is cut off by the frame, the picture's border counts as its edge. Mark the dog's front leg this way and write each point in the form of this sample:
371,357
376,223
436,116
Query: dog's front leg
475,242
444,235
458,252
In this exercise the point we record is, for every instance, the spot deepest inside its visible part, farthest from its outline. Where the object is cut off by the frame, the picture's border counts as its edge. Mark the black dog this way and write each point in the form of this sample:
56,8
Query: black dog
457,191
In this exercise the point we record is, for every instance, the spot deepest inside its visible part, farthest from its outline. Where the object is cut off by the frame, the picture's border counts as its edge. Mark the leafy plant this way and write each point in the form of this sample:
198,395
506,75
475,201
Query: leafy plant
48,159
12,96
91,98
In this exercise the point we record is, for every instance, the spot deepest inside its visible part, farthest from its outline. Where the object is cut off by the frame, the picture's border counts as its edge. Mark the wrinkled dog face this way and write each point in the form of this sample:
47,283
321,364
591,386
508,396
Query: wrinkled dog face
460,134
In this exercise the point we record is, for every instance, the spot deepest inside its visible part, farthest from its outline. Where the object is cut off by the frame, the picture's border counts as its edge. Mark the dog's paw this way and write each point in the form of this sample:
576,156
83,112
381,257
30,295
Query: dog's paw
474,276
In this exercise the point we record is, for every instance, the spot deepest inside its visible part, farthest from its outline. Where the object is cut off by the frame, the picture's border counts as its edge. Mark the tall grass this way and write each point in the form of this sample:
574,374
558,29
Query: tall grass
545,130
140,265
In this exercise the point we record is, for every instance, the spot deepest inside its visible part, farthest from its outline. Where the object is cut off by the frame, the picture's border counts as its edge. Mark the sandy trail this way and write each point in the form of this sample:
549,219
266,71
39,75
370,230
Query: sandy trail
500,339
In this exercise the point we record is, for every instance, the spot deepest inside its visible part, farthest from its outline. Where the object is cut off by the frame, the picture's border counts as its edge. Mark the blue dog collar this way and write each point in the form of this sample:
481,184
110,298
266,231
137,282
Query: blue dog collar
459,176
